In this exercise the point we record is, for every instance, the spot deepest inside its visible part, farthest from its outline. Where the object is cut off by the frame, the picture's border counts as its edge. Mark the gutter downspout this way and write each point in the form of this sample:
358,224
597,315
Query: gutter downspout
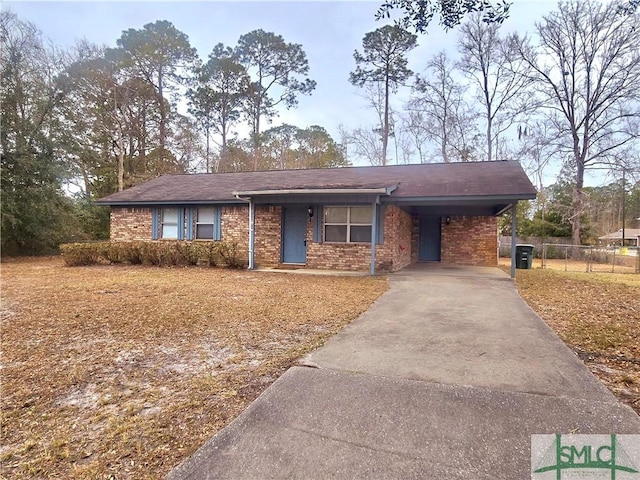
513,239
252,230
374,234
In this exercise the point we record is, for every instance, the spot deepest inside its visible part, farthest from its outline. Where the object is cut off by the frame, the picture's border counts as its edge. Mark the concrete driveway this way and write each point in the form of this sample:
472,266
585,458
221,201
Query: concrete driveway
447,375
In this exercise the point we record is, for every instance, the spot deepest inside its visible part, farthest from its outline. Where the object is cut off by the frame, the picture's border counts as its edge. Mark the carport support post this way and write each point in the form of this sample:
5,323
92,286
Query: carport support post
513,239
374,234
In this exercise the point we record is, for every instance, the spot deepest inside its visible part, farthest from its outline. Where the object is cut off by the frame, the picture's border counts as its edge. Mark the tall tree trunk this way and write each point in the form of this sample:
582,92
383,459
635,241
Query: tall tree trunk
443,144
87,182
487,99
385,133
208,150
223,154
119,143
489,142
163,116
576,204
256,139
143,139
120,165
131,166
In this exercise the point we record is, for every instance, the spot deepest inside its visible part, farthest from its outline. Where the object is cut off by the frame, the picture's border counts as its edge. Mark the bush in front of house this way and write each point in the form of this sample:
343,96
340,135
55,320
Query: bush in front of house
80,254
161,253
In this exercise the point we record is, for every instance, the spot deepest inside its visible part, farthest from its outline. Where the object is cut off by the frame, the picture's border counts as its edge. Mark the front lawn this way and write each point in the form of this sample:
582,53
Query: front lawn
598,316
123,372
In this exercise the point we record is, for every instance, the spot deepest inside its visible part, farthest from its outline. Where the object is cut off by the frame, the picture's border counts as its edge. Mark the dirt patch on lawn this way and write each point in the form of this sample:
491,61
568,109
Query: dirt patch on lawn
122,372
598,316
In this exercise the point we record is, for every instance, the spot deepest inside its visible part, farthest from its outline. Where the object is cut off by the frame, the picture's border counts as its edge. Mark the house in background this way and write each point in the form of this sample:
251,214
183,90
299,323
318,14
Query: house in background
357,218
631,237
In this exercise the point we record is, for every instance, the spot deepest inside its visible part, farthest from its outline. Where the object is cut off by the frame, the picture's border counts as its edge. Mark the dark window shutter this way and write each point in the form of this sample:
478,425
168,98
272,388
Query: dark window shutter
217,225
190,216
318,213
155,223
181,224
380,224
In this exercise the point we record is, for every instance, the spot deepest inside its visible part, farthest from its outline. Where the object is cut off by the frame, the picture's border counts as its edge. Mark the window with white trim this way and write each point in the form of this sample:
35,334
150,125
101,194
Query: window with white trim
205,223
169,223
347,224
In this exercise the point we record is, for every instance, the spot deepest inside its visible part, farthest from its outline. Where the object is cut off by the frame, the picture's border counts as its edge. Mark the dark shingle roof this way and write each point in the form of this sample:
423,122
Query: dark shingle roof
436,180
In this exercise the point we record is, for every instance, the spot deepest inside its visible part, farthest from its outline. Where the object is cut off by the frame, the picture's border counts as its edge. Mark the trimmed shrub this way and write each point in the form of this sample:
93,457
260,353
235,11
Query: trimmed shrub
161,253
130,252
228,253
112,253
81,254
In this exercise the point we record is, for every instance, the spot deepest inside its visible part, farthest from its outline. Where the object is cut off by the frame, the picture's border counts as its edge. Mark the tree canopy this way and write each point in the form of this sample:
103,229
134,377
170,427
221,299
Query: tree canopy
278,75
418,14
383,62
82,122
36,214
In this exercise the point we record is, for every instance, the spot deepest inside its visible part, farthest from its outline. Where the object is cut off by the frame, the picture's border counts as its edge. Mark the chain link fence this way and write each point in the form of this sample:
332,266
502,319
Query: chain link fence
504,244
582,258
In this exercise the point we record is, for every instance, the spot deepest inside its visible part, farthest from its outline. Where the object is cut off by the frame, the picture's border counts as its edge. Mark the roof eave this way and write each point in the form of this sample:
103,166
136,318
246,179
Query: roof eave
318,191
462,198
143,203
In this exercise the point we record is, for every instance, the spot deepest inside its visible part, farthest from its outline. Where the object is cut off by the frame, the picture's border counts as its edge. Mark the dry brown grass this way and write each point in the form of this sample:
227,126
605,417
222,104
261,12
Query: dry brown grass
598,316
122,372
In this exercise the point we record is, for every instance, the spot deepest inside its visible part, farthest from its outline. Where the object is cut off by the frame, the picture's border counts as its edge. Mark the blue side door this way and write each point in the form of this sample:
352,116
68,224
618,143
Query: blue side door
294,235
429,239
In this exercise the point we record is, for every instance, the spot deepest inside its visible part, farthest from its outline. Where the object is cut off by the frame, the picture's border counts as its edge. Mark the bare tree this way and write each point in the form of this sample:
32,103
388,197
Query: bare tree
587,68
403,140
415,126
362,143
499,75
438,111
366,142
539,146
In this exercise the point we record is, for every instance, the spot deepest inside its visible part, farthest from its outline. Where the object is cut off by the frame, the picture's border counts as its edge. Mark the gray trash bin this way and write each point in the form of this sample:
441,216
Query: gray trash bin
524,256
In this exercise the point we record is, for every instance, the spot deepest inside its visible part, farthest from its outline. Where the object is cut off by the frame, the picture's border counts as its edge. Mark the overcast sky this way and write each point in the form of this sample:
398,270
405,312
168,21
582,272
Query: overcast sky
329,32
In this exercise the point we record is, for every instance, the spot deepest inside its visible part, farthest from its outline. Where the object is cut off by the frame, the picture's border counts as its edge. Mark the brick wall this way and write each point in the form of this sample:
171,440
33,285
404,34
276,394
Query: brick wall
470,241
234,227
402,240
130,224
393,254
135,224
268,236
465,241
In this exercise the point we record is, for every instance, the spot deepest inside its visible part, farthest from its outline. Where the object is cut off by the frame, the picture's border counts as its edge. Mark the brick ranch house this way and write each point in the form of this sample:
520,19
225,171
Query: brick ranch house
356,218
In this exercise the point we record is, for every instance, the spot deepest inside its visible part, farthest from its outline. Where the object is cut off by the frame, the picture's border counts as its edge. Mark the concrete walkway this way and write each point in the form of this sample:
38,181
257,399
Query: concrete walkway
447,375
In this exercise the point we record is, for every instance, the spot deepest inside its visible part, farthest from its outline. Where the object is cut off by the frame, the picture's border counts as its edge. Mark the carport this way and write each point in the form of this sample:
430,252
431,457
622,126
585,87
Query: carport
434,212
433,195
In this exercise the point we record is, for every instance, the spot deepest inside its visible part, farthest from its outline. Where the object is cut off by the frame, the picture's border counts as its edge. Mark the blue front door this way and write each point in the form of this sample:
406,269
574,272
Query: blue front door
294,235
429,239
